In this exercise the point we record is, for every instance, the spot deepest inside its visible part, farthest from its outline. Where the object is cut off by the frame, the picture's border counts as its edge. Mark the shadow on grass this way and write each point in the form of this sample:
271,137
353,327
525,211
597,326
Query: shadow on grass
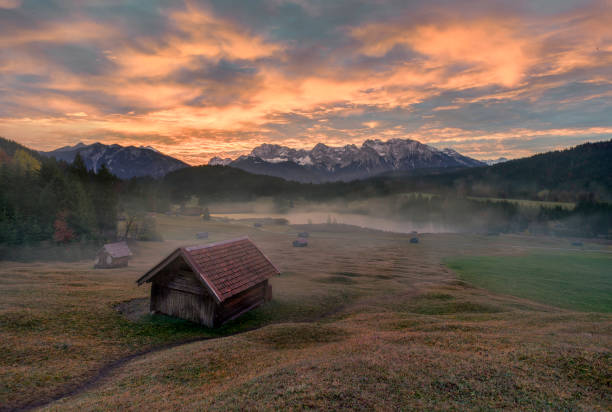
160,328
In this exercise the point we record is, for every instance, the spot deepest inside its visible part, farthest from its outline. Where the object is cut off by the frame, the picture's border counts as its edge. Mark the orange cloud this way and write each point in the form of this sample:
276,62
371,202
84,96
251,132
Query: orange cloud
202,35
59,32
494,48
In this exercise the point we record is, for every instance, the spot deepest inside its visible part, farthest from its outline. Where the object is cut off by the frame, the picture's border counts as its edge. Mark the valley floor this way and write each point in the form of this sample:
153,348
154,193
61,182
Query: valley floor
360,320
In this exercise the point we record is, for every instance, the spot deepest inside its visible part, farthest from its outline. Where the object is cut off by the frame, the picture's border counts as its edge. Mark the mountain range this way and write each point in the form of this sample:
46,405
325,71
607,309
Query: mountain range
565,175
124,162
325,163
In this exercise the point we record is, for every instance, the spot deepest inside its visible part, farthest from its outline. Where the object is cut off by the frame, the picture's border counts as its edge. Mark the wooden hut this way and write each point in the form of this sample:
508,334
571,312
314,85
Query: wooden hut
113,255
211,284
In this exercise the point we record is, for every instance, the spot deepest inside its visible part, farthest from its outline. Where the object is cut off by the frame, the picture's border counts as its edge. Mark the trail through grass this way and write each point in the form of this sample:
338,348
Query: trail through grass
579,281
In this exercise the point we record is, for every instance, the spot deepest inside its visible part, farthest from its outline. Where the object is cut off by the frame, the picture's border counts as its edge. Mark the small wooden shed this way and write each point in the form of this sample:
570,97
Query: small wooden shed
113,255
211,284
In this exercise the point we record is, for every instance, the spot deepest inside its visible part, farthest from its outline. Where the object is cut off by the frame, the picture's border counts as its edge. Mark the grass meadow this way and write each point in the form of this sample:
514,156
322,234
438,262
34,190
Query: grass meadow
572,280
359,319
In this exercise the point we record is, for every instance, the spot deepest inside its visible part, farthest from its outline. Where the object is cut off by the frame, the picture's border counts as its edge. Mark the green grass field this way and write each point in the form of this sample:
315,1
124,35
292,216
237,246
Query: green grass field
579,281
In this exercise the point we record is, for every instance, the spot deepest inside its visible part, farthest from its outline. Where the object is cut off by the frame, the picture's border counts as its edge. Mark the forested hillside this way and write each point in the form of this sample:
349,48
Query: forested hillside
566,175
43,200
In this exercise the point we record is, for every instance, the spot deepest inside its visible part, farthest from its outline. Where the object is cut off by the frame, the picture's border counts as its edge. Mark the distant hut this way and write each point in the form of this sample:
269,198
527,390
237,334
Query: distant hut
202,235
301,242
303,234
211,284
414,240
113,255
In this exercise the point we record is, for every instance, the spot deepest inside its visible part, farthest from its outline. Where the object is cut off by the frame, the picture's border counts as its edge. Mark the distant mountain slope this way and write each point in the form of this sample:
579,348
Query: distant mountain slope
123,162
326,164
10,147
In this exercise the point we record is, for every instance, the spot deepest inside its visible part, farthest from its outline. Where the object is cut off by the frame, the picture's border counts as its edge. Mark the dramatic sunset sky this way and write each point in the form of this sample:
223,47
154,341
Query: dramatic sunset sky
198,79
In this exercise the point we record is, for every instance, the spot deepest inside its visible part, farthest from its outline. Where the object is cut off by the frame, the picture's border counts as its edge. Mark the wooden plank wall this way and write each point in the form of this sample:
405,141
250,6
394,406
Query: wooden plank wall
184,305
183,281
243,302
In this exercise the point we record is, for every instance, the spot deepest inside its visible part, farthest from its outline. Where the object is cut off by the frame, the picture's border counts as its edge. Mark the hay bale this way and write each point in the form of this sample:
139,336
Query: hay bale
300,242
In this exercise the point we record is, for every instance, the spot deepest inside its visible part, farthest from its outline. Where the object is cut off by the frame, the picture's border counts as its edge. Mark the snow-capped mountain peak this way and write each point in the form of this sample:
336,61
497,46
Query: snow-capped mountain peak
218,161
329,163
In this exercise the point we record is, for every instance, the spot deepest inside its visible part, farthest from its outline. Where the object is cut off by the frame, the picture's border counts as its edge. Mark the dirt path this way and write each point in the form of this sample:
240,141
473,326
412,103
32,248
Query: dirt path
99,375
107,369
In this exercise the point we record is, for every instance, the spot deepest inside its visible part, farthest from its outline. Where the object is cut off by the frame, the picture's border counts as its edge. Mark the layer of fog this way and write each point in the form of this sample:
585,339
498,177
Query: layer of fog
377,214
364,221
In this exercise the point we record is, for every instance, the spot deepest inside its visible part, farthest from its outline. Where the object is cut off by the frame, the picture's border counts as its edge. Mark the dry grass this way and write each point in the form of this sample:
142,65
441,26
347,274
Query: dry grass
403,333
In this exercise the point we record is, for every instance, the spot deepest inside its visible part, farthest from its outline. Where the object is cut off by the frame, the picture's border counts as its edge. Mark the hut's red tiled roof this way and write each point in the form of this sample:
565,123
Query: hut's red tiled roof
227,268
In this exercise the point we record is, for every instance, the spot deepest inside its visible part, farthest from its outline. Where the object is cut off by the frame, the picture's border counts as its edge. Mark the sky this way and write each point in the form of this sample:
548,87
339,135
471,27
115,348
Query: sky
198,79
